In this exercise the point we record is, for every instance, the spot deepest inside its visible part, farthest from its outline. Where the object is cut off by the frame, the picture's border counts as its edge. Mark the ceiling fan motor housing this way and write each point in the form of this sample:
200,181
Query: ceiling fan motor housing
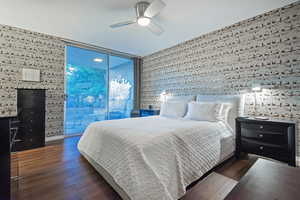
140,8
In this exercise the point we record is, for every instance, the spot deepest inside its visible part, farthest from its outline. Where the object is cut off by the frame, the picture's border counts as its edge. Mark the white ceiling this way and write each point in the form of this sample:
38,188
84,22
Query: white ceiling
88,20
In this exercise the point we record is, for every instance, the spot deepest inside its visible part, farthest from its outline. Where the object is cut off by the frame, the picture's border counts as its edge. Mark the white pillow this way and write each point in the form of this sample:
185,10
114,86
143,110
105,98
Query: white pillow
223,114
237,102
202,111
173,109
224,111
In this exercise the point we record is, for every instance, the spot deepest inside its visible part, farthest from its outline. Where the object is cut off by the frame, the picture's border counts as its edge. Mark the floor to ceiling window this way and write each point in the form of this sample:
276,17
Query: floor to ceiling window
98,87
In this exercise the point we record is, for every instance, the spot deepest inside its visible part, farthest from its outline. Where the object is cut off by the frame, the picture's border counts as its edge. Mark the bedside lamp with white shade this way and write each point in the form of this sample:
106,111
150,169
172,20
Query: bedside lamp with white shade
257,88
163,96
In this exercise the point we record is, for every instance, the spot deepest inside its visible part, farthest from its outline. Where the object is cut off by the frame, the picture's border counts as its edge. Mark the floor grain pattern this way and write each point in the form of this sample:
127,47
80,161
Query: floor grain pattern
213,187
59,172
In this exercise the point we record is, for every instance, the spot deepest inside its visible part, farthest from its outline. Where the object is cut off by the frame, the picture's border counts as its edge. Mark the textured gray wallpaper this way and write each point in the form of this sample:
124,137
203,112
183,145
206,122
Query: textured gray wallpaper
264,49
25,49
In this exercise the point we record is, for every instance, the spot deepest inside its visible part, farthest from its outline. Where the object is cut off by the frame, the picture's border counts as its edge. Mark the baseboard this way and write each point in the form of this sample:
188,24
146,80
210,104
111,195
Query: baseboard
53,138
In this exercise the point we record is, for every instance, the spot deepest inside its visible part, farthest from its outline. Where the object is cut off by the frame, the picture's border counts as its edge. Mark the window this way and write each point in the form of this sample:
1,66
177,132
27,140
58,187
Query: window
98,87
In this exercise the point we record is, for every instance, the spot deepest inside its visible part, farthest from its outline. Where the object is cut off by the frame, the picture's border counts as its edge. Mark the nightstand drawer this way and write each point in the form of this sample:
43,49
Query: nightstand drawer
264,136
274,129
265,149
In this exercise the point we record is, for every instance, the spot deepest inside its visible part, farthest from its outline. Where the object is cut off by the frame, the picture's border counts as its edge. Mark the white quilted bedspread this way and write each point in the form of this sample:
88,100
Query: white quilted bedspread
153,158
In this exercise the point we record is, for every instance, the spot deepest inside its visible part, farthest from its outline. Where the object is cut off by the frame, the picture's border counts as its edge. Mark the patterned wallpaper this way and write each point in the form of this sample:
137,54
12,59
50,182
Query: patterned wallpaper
264,49
25,49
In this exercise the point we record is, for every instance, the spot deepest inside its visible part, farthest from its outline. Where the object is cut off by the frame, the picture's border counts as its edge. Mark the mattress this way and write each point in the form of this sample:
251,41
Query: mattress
158,156
227,147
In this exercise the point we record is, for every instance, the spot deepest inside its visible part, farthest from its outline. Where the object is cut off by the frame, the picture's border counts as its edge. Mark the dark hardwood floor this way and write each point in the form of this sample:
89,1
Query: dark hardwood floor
59,172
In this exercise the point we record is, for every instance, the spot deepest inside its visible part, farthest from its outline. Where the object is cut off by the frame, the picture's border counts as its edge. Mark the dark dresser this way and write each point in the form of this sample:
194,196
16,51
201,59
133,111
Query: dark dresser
269,138
31,113
148,112
5,149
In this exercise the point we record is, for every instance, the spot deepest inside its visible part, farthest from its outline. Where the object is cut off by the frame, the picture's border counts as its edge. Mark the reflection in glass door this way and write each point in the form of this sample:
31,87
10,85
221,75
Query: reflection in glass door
86,89
98,87
121,87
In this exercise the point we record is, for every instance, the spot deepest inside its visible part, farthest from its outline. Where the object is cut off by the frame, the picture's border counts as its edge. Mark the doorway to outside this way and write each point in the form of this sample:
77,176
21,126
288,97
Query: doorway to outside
98,87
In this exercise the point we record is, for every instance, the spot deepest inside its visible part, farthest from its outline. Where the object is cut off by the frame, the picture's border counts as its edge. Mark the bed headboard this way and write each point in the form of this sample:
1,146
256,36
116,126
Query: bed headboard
181,98
240,99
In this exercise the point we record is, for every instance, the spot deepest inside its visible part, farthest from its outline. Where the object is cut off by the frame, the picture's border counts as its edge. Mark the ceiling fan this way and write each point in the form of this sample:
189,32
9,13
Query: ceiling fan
145,12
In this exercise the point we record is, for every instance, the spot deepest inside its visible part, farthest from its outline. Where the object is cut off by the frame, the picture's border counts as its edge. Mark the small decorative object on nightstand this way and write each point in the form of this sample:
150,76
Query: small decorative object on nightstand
148,112
269,138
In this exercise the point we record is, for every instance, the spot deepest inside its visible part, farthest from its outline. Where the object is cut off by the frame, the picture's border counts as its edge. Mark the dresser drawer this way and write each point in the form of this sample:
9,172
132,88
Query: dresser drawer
265,136
264,149
274,128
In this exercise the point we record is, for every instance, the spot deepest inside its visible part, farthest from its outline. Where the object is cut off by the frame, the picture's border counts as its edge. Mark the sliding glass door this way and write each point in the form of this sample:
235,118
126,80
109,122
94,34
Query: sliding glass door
98,87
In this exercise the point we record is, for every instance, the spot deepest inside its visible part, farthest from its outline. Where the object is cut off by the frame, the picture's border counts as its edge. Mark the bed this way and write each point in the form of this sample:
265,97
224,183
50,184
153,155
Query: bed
155,157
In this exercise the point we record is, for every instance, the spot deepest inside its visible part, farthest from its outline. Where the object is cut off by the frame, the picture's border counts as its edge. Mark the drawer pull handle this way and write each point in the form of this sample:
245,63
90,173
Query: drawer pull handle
261,127
261,136
261,148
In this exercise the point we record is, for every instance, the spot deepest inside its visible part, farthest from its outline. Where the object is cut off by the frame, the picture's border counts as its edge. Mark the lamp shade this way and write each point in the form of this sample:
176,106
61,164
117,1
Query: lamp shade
163,96
256,87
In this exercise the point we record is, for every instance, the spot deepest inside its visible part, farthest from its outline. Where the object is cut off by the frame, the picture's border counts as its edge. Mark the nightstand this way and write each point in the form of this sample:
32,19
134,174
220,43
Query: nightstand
269,138
148,112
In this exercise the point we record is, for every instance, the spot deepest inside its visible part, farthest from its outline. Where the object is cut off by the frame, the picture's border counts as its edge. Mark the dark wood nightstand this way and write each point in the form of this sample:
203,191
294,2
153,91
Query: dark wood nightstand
269,138
148,112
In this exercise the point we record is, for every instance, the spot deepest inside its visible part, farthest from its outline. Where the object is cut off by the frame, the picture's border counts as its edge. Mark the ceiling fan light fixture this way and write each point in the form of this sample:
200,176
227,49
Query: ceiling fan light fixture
143,21
145,13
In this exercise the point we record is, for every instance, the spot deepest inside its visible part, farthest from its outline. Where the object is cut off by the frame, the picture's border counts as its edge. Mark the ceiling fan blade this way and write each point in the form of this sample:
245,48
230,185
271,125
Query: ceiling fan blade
155,28
154,8
121,24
